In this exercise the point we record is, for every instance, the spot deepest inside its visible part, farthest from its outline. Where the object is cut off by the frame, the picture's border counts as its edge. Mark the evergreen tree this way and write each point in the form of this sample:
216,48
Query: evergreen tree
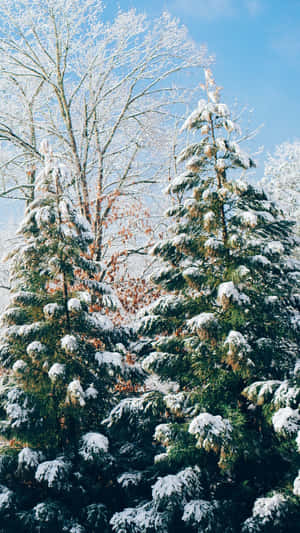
227,332
62,364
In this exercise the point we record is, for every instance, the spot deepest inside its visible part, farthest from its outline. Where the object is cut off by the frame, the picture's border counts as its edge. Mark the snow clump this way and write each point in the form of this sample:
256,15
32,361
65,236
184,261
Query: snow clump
274,247
52,310
35,348
56,372
260,391
28,459
211,431
203,323
298,441
248,218
74,305
69,343
129,479
144,518
269,508
109,358
93,444
85,297
296,487
6,499
19,366
53,473
91,392
199,513
75,394
175,402
171,490
297,369
236,342
160,457
163,434
228,292
286,396
286,421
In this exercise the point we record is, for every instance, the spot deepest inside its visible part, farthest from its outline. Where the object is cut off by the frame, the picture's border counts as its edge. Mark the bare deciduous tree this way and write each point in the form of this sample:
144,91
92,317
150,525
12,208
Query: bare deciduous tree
282,179
103,93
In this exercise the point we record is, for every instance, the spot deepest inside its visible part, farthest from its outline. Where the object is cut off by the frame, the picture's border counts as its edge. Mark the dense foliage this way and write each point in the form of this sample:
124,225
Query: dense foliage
210,441
63,364
227,333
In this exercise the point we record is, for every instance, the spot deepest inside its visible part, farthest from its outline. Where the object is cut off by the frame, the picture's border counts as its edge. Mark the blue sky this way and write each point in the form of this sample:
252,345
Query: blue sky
256,44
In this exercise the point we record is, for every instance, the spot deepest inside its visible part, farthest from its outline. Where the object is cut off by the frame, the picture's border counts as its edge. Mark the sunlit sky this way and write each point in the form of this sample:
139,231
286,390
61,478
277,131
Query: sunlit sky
256,44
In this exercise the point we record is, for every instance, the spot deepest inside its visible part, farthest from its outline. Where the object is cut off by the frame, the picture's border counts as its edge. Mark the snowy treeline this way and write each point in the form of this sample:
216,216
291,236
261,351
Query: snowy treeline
161,404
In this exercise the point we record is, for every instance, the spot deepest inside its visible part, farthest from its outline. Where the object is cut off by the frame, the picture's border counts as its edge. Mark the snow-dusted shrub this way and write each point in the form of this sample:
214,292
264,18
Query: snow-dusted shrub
265,508
75,394
28,459
155,360
6,501
73,527
236,343
286,421
297,369
93,446
128,408
129,479
84,297
296,485
17,408
261,391
298,441
113,359
56,372
213,245
36,349
286,395
44,216
95,516
172,491
161,457
201,514
74,305
274,247
211,431
54,473
135,410
19,366
163,434
143,519
238,351
167,492
204,324
228,293
70,344
91,392
48,514
268,511
170,305
175,402
53,310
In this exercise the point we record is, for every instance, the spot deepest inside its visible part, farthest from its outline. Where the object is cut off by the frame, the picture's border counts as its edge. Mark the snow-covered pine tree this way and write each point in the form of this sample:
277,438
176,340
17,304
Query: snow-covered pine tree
228,333
61,366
